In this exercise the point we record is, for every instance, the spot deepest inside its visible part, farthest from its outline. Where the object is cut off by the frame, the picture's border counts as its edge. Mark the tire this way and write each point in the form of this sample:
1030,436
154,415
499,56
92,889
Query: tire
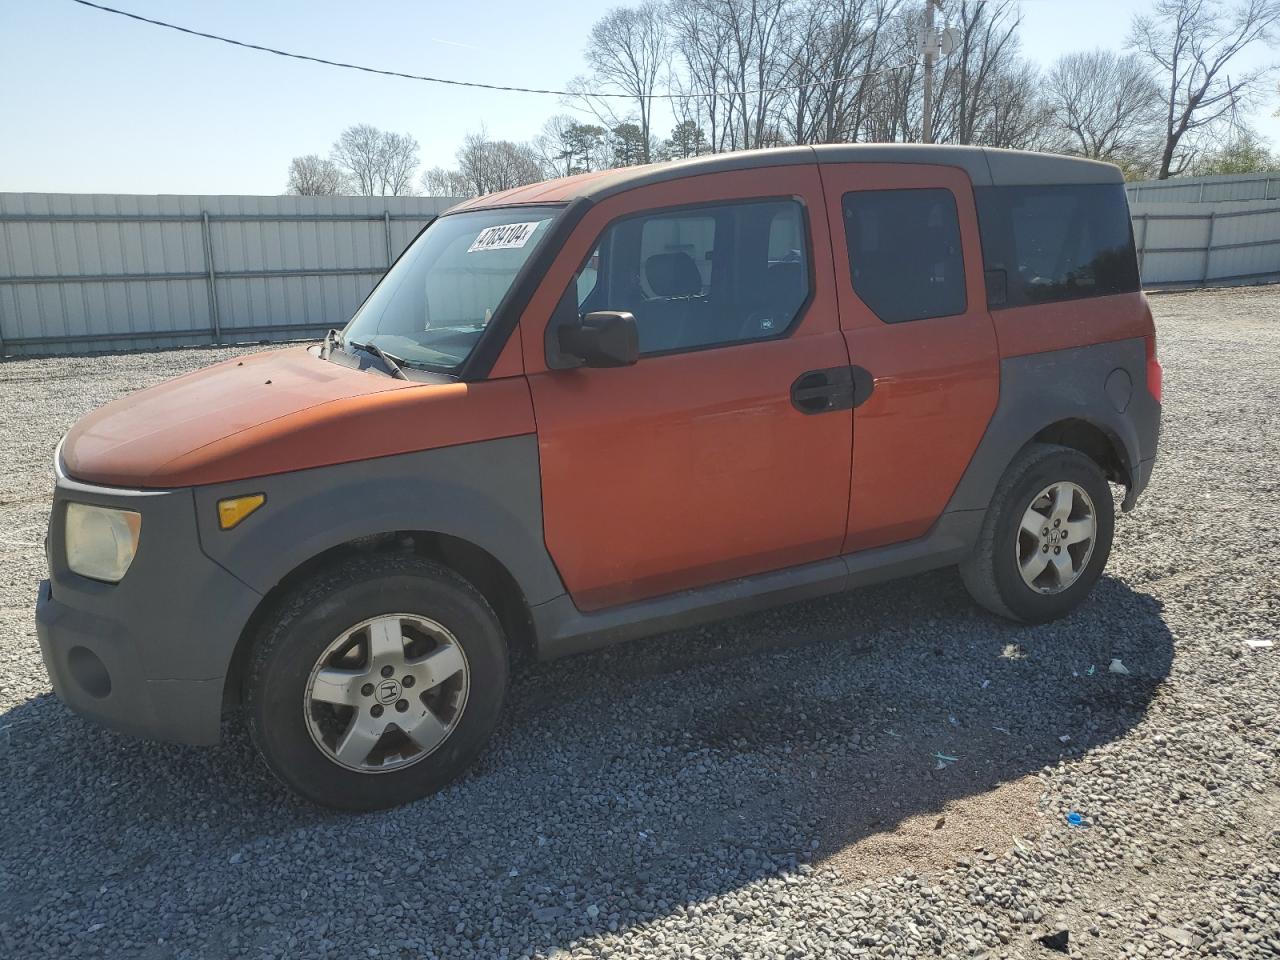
994,572
318,689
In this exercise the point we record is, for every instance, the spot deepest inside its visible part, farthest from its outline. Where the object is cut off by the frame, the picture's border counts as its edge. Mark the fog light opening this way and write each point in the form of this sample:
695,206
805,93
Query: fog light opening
88,670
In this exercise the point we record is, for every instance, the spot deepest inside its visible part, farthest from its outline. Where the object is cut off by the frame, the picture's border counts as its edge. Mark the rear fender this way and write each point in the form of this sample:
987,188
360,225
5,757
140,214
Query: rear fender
1103,385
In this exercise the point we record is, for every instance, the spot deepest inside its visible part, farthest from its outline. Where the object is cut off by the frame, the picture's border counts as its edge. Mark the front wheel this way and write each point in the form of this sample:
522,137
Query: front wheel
1046,536
377,682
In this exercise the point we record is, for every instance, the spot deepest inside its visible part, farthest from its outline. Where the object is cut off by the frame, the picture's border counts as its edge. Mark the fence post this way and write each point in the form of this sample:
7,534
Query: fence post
1142,244
386,222
213,285
1208,249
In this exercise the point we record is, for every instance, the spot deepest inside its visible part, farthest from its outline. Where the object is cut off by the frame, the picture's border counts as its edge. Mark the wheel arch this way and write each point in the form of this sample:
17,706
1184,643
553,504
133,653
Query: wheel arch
1095,441
1060,397
476,508
473,563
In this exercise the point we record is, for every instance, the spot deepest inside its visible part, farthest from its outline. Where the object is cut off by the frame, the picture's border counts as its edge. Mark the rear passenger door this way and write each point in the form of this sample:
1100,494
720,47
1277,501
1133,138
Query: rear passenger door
913,311
693,466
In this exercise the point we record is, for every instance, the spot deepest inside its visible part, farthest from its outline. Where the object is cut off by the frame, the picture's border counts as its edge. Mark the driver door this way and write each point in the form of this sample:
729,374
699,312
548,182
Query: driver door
695,465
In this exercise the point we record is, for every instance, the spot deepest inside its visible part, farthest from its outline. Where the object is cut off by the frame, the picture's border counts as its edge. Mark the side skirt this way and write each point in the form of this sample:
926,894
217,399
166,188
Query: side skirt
562,629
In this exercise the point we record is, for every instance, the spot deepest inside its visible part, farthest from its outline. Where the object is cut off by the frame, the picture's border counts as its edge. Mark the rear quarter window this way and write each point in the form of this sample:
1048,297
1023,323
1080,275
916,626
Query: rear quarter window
906,261
1044,244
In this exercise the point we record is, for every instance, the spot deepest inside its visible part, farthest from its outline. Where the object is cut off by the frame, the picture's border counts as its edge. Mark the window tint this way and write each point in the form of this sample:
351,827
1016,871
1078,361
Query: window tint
700,277
905,254
1048,243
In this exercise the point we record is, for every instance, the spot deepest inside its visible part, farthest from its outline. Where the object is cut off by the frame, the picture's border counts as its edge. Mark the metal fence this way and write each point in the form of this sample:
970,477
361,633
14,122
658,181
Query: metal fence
1240,186
82,273
1184,244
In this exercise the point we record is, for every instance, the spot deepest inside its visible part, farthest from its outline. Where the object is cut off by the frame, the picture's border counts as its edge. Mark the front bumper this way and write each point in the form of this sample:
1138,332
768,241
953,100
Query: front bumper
150,654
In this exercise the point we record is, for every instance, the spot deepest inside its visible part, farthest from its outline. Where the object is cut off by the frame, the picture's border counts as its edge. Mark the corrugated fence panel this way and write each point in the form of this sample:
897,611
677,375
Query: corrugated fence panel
1204,230
87,272
1206,243
1243,186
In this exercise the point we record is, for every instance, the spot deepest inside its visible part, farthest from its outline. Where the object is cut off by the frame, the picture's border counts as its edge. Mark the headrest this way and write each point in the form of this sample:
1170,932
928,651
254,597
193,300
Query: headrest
673,275
786,276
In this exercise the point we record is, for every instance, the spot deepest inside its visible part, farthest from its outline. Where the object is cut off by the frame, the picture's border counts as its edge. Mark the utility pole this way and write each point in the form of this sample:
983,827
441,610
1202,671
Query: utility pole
930,51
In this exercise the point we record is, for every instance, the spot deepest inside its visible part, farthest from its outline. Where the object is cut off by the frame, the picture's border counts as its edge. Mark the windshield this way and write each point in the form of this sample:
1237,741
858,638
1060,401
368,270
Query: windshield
433,305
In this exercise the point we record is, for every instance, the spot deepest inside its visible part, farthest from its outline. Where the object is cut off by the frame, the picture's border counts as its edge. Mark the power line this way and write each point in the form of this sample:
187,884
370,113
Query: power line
482,86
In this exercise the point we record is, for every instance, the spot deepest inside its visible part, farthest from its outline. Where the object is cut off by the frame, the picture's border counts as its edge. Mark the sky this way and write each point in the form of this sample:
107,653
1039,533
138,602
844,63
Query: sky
95,103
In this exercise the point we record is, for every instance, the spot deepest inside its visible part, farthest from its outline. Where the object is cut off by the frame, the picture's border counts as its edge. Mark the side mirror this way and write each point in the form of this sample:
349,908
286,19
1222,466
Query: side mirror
607,338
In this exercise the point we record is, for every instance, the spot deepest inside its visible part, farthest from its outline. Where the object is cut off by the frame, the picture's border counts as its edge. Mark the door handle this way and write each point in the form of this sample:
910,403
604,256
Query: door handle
835,388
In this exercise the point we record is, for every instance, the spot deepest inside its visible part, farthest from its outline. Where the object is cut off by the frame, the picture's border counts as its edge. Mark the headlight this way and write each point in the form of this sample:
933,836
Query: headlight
101,541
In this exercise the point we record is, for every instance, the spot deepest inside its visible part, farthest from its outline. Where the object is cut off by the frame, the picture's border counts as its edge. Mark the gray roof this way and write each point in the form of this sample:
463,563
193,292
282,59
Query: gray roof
985,167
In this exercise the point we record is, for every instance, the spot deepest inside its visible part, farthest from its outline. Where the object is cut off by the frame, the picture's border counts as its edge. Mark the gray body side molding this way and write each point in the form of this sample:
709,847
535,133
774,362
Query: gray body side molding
1043,388
562,629
488,493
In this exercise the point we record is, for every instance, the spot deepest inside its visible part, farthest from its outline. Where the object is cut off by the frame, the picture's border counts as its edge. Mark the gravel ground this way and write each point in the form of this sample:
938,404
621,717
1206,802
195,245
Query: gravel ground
765,787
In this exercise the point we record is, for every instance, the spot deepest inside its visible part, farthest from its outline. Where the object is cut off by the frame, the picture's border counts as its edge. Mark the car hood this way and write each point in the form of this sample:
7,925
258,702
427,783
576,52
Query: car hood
263,414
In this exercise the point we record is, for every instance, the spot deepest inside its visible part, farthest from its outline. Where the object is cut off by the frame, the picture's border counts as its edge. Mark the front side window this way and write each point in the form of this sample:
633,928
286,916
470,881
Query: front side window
433,305
1043,244
699,277
905,255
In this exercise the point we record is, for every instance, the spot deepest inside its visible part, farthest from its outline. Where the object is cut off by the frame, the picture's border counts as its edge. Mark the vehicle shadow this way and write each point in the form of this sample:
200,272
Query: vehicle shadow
623,786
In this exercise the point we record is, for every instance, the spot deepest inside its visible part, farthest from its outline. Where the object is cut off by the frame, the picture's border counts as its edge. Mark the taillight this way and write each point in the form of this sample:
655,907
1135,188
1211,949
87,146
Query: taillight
1155,373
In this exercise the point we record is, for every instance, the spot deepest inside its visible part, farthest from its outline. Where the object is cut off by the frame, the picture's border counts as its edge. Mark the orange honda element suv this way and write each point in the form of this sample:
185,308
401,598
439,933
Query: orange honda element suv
600,407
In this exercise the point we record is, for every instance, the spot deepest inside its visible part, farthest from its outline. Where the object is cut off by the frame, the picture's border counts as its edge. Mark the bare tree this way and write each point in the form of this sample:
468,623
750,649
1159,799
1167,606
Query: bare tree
986,93
1193,44
626,52
399,161
758,32
971,87
1015,115
439,182
702,42
377,163
835,54
313,176
1105,106
493,165
893,99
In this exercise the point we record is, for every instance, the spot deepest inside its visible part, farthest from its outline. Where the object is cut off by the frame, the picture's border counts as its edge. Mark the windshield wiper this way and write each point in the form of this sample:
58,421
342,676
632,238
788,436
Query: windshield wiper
388,361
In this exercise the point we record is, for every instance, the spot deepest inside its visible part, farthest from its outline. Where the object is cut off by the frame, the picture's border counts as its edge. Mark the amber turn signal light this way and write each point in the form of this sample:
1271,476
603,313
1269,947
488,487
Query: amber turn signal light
234,509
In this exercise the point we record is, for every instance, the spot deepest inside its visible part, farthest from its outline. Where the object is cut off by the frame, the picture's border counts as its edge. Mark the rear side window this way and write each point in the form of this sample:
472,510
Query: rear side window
701,277
905,255
1045,244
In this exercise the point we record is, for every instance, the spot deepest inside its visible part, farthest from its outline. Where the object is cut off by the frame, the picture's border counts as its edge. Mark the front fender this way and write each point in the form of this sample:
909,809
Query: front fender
487,493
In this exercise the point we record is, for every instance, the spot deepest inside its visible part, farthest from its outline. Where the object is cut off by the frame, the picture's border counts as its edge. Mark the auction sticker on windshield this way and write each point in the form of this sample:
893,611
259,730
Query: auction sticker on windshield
506,236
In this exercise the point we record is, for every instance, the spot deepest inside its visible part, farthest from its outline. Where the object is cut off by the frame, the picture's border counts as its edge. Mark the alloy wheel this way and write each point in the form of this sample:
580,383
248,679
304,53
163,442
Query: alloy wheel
386,693
1055,538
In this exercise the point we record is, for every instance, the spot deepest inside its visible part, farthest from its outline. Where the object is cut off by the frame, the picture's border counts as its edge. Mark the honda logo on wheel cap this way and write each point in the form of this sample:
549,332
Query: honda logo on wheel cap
388,690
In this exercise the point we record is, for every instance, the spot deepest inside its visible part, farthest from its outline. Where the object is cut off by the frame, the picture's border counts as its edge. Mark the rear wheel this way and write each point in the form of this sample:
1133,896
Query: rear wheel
377,683
1046,537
